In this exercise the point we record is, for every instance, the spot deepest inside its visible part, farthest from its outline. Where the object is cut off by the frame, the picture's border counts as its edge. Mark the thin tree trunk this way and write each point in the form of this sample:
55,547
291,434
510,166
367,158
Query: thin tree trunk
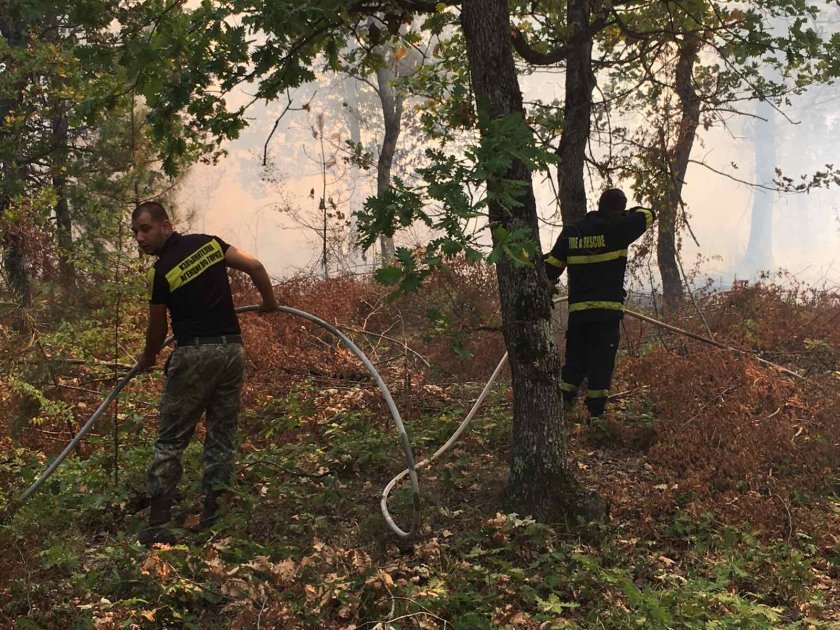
12,179
351,117
577,113
14,262
759,253
539,482
392,104
666,248
63,224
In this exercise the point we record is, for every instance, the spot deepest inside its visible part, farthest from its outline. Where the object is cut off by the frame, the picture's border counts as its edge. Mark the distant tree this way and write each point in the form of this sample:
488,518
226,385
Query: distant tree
679,70
73,154
328,218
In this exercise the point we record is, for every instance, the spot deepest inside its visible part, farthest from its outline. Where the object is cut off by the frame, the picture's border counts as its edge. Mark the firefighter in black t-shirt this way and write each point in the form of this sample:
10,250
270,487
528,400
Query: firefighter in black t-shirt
594,249
206,370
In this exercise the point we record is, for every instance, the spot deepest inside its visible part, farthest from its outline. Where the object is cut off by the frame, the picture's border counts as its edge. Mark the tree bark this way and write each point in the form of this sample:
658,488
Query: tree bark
63,223
666,247
12,177
577,112
351,117
539,483
392,104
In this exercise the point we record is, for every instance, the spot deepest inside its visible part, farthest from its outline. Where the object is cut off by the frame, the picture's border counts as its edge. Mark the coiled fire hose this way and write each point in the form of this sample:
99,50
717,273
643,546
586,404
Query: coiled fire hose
383,388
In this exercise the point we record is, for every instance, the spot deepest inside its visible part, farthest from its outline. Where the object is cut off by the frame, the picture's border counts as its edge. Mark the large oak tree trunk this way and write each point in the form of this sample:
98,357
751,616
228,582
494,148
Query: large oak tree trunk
577,113
539,483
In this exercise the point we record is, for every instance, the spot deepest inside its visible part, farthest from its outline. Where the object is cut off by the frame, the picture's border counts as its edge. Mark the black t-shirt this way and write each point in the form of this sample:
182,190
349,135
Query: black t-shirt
190,277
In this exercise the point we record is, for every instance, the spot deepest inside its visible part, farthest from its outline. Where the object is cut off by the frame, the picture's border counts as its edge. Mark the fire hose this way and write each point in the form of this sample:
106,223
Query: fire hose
465,423
411,468
383,388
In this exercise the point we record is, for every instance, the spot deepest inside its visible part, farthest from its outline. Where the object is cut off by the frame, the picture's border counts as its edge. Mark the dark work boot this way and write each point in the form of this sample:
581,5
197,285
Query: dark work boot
596,407
212,502
159,515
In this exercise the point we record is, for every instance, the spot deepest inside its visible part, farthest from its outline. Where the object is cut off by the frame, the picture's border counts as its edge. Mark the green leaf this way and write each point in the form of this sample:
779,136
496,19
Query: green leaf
388,276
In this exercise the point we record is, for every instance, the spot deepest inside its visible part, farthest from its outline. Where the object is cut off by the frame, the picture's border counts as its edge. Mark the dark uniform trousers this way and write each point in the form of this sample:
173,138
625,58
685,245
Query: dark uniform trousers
590,353
199,378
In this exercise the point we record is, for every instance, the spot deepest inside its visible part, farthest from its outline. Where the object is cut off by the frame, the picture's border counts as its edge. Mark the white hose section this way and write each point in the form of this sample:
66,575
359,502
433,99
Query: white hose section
461,427
383,388
82,433
395,415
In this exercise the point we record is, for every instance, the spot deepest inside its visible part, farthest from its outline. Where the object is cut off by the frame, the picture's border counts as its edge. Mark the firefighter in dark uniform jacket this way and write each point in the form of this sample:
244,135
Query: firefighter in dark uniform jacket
594,250
207,368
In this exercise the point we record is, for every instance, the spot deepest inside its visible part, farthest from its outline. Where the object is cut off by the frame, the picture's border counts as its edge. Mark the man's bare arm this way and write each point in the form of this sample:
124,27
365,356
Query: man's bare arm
155,336
237,259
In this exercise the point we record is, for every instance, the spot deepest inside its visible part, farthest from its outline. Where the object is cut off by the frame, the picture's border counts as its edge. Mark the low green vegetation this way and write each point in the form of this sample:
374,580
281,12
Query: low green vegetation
721,481
295,551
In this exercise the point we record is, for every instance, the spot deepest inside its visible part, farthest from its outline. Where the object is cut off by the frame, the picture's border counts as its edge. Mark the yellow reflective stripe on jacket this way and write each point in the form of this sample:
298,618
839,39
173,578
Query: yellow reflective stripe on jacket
648,217
195,264
555,262
568,387
150,279
597,393
596,258
583,306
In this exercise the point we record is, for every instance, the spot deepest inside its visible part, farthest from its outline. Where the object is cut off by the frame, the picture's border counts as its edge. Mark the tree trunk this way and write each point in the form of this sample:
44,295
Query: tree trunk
58,172
392,104
12,177
63,224
14,262
356,201
666,248
539,483
759,254
577,113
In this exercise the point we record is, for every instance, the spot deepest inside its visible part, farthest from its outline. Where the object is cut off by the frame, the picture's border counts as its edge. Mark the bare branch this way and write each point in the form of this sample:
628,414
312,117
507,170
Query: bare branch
286,109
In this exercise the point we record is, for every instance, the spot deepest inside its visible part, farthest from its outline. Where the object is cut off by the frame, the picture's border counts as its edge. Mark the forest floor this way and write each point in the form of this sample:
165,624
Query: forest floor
722,477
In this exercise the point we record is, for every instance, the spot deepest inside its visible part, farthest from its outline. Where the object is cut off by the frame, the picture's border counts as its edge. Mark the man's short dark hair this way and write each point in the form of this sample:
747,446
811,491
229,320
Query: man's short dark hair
155,210
612,200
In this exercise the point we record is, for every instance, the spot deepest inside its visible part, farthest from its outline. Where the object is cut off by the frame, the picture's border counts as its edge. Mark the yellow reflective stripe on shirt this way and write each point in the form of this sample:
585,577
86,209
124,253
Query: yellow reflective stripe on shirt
597,393
648,217
555,262
596,258
583,306
195,264
150,278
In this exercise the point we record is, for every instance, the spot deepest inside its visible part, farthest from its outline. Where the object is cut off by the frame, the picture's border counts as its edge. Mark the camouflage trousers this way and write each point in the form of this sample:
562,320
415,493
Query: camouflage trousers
199,379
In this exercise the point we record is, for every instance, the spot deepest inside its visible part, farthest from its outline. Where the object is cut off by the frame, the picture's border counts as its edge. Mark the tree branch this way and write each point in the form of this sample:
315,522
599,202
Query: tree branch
535,57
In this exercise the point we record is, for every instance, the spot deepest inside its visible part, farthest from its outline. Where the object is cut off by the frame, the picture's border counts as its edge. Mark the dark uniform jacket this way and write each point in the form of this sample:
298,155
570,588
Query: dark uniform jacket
190,277
594,249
